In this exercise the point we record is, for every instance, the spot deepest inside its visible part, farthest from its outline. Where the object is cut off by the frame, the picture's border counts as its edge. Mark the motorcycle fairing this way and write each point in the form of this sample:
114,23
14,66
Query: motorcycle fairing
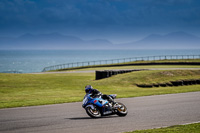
96,101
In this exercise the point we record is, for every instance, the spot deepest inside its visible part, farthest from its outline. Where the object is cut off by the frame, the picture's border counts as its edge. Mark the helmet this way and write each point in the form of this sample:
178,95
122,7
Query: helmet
88,88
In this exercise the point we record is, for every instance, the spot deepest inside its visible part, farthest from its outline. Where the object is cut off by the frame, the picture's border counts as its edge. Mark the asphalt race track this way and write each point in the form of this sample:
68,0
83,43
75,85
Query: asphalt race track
144,113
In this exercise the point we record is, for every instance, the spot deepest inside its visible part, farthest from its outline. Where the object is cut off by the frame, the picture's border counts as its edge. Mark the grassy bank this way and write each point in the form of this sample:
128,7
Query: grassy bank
18,90
31,89
190,128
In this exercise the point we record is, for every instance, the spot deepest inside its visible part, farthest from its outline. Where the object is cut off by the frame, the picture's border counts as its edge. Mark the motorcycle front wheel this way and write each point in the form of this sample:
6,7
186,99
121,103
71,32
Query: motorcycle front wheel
121,109
94,113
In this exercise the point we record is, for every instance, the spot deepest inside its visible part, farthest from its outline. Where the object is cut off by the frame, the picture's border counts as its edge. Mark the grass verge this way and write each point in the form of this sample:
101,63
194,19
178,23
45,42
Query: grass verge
18,90
190,128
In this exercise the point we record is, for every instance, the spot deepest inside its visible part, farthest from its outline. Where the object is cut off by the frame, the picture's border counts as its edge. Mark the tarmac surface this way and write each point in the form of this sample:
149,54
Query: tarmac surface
143,113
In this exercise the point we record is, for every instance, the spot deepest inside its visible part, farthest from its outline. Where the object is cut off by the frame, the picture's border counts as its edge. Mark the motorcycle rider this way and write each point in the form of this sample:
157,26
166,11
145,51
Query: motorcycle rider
95,93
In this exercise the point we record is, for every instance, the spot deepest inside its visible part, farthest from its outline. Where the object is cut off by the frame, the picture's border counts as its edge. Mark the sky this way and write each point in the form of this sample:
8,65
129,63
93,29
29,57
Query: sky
115,20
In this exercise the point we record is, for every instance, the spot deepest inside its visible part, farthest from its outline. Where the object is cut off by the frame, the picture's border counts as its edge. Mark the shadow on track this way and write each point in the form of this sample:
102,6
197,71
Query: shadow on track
84,118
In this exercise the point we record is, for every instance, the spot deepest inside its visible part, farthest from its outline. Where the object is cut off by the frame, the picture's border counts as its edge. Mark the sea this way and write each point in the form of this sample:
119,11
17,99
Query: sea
31,61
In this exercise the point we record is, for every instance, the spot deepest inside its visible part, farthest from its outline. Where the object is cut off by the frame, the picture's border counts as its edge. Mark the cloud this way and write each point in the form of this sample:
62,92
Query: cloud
100,15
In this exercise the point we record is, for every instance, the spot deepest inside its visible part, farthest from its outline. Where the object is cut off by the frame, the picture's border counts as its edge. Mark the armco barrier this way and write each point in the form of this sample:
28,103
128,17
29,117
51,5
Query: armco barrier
172,83
109,73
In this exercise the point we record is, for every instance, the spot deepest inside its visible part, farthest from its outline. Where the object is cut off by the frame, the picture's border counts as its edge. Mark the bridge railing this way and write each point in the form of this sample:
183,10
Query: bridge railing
117,61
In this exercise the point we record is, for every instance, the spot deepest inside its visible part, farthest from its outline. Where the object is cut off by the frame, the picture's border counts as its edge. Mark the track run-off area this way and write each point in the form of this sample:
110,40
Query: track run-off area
143,113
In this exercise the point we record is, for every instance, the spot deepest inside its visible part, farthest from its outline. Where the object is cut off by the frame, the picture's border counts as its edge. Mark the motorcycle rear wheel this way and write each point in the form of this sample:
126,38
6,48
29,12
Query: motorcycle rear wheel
121,109
94,113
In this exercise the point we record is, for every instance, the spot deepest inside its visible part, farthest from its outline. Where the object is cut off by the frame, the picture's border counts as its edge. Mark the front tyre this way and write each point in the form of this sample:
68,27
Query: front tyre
121,109
94,113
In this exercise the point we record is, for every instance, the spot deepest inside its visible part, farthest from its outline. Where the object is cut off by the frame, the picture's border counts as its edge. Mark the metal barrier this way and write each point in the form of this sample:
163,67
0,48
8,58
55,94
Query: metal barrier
110,73
117,61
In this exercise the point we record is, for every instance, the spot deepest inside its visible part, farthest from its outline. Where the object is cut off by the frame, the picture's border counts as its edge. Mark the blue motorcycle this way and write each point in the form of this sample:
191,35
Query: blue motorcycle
97,107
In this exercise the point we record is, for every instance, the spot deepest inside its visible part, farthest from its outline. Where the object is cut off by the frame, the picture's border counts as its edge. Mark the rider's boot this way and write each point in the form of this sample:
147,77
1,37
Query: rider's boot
112,102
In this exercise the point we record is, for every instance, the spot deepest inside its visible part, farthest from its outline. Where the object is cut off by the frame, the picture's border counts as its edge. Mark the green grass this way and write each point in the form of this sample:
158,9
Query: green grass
39,89
125,84
18,90
190,128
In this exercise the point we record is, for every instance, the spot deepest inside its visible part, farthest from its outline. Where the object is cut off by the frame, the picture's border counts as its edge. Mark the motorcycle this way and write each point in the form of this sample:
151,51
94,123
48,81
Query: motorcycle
97,107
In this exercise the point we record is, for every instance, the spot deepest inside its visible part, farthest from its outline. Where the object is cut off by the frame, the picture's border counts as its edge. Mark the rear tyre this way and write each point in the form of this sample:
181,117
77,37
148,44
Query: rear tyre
121,109
93,113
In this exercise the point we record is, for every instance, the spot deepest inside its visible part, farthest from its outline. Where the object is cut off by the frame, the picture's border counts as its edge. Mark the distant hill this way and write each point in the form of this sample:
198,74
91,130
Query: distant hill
52,41
174,40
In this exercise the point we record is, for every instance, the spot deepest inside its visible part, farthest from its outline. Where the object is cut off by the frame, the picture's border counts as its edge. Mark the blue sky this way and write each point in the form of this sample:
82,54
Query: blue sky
115,20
